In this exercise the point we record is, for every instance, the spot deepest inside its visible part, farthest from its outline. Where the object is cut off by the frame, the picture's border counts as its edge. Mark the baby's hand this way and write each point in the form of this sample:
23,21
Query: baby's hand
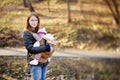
51,49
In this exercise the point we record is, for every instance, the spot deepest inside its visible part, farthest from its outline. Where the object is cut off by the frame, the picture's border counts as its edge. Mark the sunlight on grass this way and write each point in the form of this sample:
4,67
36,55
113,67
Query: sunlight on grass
15,20
53,21
8,77
3,3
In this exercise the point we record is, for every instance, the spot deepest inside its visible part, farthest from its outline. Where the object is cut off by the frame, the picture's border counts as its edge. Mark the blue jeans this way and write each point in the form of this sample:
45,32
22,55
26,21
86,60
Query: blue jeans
39,71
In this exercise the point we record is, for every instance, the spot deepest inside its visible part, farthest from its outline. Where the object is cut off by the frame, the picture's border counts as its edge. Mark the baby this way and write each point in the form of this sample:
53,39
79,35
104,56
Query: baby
42,39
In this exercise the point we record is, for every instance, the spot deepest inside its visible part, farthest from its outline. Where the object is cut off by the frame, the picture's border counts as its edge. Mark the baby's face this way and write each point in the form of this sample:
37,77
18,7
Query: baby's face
40,35
42,42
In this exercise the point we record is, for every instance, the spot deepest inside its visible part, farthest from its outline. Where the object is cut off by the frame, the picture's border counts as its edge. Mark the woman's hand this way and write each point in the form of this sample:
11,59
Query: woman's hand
46,55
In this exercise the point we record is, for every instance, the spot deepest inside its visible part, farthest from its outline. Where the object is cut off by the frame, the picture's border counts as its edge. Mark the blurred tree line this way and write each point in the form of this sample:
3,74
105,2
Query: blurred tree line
100,14
113,6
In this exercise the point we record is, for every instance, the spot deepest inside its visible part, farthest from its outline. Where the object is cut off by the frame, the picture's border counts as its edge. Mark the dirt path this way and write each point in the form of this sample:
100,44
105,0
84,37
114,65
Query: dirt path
64,53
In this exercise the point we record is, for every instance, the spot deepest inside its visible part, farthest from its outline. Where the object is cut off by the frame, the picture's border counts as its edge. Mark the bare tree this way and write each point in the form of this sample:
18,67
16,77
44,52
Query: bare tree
69,11
38,0
114,7
24,3
28,4
80,4
48,3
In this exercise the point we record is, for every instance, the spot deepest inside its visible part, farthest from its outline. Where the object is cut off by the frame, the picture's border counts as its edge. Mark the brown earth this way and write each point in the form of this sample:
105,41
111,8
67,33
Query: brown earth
14,67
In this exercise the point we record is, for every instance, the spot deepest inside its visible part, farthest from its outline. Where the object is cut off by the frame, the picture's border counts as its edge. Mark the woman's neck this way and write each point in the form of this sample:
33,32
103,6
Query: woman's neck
32,28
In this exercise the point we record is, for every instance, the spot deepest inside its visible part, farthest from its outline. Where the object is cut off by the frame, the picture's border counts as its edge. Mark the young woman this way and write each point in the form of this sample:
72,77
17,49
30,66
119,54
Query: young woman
38,71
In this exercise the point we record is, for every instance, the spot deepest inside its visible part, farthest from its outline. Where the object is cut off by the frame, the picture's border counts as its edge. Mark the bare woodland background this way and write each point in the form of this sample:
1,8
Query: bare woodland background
76,24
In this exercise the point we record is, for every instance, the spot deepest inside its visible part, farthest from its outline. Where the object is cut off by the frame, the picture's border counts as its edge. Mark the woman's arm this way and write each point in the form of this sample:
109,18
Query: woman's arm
28,42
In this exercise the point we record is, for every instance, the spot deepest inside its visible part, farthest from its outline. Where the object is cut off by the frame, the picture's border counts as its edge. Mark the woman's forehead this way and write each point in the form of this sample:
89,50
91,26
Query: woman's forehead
33,17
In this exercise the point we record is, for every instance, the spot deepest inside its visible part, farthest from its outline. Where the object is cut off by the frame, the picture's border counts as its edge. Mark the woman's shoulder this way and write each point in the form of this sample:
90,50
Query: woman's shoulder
26,33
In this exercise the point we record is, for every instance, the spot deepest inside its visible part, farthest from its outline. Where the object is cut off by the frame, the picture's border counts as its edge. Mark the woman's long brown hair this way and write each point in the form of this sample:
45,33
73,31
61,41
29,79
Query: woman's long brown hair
28,27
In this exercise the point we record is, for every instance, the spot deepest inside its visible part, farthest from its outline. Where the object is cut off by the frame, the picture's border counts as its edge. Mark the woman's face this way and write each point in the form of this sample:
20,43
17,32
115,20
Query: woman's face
33,21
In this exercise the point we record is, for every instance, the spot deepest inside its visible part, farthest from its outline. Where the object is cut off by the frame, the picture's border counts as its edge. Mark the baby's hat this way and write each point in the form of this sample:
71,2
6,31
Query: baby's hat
42,31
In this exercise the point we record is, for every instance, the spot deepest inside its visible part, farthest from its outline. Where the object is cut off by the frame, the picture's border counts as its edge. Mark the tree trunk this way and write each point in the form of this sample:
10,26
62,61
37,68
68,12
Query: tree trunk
30,6
69,11
25,3
48,3
80,4
114,8
119,23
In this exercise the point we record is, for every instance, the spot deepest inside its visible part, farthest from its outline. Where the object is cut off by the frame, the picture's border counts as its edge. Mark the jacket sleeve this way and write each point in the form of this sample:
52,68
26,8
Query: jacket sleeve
28,42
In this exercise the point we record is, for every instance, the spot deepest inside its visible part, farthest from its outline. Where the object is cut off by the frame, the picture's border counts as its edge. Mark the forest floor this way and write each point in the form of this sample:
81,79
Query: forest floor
15,68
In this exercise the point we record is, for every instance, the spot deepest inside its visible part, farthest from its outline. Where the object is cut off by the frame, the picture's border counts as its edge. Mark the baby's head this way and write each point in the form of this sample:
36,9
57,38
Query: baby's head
42,32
